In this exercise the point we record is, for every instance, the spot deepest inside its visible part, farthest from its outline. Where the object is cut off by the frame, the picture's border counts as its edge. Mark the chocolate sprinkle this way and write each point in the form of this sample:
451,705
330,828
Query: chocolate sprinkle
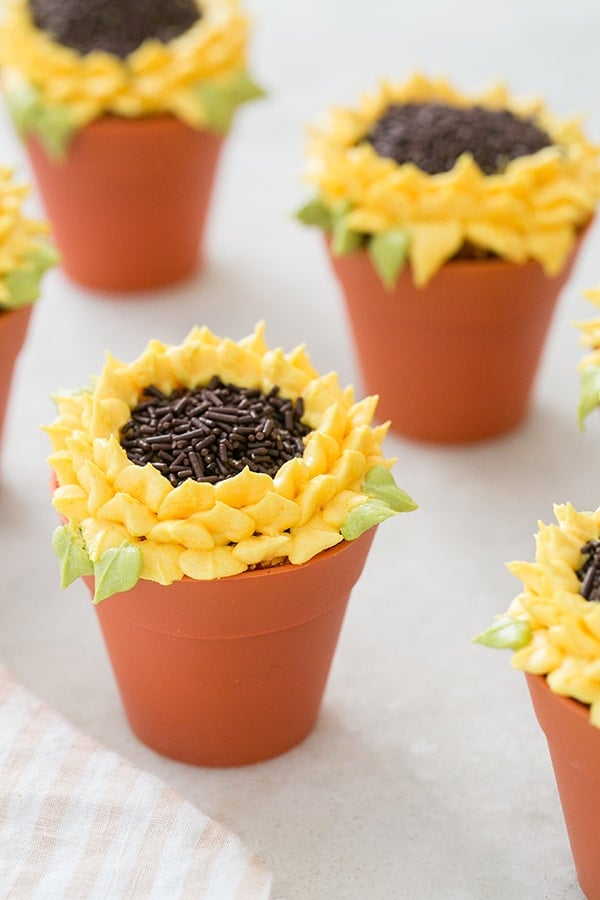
434,135
213,432
115,26
589,574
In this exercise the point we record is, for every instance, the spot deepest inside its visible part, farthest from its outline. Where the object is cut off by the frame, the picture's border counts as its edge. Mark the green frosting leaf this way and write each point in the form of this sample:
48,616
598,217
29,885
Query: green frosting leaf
363,517
380,484
69,546
387,252
507,633
23,103
589,396
53,125
386,500
56,127
315,212
219,100
344,240
118,569
23,284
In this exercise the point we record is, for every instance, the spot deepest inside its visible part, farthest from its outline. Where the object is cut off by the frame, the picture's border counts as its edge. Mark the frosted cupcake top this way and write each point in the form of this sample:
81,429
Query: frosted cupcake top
204,495
25,251
553,626
513,181
195,69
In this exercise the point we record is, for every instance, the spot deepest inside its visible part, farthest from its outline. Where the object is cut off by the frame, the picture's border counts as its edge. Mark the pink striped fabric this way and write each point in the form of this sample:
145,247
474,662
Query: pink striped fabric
78,821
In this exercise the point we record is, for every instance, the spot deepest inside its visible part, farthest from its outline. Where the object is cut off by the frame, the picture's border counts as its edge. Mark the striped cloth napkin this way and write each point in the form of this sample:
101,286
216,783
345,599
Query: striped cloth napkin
78,821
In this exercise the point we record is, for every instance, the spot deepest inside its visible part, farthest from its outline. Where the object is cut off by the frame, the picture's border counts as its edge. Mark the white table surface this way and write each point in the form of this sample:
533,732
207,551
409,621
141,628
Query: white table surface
427,776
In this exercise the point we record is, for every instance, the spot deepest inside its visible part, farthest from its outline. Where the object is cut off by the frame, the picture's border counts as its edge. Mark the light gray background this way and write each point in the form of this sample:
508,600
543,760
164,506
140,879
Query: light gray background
427,777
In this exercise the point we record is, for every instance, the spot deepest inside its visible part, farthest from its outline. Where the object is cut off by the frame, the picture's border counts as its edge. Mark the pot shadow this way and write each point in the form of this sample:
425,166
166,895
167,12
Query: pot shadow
408,820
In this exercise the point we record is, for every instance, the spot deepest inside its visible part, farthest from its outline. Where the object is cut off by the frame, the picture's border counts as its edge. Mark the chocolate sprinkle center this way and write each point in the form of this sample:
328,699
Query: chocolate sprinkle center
115,26
589,574
434,135
213,432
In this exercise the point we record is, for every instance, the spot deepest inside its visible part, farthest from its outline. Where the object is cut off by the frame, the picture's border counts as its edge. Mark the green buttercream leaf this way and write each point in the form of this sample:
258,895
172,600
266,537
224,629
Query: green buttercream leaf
219,100
23,284
118,569
387,252
507,633
53,125
386,499
589,396
44,256
363,517
55,128
69,546
380,484
23,287
316,213
23,103
243,88
344,239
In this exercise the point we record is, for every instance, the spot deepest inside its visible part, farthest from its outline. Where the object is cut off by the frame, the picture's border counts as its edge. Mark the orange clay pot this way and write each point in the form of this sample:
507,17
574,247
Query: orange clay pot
231,671
129,203
456,361
13,331
574,747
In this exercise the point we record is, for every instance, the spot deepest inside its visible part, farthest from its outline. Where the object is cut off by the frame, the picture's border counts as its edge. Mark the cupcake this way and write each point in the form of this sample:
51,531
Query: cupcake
123,110
553,629
219,498
449,215
25,254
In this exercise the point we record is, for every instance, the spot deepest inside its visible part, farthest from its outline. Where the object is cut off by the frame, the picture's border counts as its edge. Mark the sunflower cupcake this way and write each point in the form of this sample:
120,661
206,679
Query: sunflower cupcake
26,252
452,223
66,66
421,173
210,457
113,103
553,629
219,499
553,625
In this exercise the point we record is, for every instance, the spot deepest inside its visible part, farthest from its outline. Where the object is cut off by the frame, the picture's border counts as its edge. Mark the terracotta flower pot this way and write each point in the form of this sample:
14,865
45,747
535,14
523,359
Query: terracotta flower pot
13,331
129,203
231,671
574,747
455,361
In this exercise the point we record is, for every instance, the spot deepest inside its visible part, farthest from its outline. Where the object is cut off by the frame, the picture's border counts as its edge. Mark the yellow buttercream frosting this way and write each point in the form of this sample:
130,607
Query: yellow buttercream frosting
19,235
155,78
533,209
564,627
207,530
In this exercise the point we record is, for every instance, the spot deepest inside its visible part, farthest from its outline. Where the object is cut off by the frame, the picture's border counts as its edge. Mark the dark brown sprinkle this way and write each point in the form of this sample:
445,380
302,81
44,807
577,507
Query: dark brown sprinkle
471,251
210,433
589,573
115,26
434,135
